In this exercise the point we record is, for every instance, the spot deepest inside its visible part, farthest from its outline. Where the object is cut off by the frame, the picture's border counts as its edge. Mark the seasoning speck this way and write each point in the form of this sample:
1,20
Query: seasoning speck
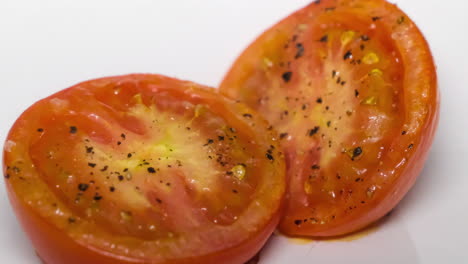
347,55
151,170
73,130
300,50
270,157
92,165
324,38
313,131
287,76
357,152
83,187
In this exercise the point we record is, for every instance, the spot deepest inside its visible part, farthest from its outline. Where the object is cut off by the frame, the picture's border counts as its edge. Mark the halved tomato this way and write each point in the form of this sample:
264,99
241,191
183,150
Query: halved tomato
350,85
144,169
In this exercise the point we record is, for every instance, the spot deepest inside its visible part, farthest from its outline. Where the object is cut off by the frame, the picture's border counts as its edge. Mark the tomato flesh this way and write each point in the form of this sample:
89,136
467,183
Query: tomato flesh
148,169
350,86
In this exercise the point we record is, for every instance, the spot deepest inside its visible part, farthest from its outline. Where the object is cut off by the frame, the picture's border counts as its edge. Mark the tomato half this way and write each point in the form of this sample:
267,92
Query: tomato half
144,169
350,85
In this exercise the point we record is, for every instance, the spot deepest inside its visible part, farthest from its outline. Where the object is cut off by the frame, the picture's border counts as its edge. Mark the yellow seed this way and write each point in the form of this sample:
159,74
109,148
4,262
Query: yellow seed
370,192
376,72
302,27
371,100
137,98
370,58
267,62
199,110
239,171
308,188
126,216
347,37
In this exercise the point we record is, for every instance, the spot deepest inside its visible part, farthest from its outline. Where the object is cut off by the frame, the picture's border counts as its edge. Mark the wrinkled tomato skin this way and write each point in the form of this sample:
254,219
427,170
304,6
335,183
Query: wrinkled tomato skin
246,76
54,246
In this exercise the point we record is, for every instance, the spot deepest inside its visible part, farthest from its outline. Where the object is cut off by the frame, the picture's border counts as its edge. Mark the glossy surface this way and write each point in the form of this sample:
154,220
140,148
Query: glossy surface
351,88
79,40
144,169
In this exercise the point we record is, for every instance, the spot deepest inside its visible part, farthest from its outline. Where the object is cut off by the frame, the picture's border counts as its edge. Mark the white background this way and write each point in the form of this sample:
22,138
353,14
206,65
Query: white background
48,45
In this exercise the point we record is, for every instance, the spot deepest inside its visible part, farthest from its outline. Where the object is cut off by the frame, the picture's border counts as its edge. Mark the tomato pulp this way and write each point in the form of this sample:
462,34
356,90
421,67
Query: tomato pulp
350,85
144,169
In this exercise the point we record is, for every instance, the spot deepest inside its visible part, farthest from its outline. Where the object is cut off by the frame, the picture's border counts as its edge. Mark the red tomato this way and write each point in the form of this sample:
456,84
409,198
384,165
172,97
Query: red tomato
144,169
350,85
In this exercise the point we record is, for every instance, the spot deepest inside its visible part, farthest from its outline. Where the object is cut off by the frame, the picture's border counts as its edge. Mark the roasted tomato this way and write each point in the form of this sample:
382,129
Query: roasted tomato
350,85
144,169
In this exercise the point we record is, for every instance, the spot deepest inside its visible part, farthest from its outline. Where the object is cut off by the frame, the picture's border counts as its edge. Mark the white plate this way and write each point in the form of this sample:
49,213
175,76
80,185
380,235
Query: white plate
48,45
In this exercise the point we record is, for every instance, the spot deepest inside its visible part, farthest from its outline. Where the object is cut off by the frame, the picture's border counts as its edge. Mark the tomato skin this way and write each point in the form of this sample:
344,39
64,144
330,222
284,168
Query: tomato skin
56,246
256,70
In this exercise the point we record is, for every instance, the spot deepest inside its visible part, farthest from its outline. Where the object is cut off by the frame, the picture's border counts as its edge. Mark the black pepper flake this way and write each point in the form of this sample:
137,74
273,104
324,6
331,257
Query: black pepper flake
315,167
287,76
247,115
123,136
327,108
313,131
120,177
283,135
319,100
298,222
347,55
324,39
356,93
357,152
210,141
220,138
40,130
375,18
92,165
410,146
269,156
403,132
151,170
129,155
119,143
73,129
112,189
300,50
83,187
358,180
235,191
328,123
89,149
71,220
400,20
105,168
159,201
97,197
